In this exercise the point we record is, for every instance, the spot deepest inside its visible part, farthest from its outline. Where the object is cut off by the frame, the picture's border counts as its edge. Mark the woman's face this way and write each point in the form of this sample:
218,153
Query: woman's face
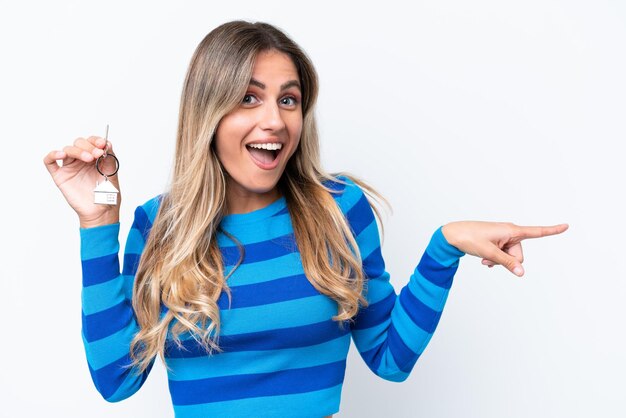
254,141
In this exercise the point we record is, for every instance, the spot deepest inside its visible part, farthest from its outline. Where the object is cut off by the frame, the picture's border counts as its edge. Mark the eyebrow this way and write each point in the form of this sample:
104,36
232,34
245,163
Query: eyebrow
285,86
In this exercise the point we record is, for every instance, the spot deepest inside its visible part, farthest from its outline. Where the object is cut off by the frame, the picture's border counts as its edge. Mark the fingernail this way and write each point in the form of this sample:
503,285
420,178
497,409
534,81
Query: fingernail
518,270
97,152
86,156
59,154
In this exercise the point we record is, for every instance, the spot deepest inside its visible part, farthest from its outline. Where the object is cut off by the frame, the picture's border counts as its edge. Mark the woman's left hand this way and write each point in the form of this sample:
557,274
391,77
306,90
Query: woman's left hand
496,242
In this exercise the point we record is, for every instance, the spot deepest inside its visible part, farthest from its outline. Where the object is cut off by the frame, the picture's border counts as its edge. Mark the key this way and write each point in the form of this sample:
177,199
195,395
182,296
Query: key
105,192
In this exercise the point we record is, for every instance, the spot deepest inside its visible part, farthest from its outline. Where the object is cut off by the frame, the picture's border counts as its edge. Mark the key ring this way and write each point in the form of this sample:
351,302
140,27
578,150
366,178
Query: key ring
117,165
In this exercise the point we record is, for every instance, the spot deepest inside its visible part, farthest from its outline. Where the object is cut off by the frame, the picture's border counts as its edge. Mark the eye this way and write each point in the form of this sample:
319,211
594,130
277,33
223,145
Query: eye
289,101
249,99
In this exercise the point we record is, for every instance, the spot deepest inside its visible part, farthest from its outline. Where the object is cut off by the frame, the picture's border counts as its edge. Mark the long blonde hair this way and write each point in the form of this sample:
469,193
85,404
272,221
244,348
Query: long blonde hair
181,267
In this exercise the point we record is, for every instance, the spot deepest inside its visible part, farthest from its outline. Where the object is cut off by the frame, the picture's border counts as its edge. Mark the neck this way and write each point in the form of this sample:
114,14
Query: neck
238,202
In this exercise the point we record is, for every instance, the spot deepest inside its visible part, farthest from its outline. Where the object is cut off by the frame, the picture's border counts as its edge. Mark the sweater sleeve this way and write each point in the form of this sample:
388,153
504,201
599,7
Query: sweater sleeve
108,319
393,331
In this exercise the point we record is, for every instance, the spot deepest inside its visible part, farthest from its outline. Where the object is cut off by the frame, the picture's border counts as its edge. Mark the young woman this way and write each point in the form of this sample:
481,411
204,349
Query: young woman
252,273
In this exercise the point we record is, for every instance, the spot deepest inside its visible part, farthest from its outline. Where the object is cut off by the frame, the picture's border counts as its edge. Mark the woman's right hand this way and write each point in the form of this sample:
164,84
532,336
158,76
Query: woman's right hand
78,176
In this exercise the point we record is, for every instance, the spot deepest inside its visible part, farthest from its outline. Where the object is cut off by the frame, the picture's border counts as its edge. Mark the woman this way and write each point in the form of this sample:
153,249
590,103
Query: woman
251,274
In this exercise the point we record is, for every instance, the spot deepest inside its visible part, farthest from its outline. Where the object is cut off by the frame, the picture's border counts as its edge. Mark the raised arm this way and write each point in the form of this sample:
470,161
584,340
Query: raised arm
108,318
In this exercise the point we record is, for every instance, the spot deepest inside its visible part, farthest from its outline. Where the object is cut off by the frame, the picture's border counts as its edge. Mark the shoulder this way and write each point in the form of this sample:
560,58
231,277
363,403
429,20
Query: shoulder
348,195
146,213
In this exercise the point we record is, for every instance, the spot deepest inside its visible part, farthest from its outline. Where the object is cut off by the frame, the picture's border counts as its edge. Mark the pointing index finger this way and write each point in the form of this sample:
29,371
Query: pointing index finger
541,231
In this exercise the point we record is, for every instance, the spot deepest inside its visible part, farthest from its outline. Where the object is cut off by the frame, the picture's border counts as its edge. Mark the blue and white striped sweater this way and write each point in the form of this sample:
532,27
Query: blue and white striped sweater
283,354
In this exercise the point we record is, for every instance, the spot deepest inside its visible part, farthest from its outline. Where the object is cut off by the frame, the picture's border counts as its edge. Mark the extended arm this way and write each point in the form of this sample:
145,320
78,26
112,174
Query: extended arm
393,331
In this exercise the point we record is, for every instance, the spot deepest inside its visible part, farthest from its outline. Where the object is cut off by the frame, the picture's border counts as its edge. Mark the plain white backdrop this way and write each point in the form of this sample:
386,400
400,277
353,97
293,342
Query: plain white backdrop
483,110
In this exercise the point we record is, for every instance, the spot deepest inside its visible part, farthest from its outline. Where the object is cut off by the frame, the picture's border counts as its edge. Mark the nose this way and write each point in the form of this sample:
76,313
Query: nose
271,117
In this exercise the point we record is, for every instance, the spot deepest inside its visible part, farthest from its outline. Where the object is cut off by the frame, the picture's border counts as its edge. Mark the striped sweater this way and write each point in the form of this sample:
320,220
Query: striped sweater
283,354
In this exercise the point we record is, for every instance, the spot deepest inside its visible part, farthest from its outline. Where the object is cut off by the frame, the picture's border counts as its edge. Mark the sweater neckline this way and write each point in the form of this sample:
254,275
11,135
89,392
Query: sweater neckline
255,215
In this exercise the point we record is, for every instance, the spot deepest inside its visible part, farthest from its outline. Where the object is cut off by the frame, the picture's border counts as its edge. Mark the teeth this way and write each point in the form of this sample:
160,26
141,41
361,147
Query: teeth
267,146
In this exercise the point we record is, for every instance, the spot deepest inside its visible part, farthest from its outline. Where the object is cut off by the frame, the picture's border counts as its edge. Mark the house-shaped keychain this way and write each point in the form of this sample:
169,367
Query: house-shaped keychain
105,193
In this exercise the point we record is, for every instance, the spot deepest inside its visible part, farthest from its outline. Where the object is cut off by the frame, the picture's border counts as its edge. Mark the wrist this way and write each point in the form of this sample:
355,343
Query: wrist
448,234
442,251
109,217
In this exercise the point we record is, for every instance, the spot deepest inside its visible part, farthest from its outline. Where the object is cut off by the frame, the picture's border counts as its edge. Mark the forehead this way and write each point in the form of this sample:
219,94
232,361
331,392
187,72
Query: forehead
274,65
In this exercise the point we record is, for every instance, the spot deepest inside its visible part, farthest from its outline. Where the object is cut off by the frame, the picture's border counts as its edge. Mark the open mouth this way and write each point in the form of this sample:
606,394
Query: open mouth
264,153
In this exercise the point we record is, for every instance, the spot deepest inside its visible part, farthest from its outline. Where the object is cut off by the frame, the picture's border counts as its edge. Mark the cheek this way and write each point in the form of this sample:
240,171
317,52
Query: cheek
225,149
294,147
295,127
295,131
235,126
219,142
229,135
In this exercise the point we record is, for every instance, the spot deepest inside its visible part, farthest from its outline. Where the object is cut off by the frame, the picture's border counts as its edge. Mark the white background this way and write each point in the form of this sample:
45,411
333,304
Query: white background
485,110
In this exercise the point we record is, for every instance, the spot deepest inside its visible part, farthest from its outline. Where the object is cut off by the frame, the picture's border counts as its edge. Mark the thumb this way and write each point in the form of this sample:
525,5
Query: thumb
508,261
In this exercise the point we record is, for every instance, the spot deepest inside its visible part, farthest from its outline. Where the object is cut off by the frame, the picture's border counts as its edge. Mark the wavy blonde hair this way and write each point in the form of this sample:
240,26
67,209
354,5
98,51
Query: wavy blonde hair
181,266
